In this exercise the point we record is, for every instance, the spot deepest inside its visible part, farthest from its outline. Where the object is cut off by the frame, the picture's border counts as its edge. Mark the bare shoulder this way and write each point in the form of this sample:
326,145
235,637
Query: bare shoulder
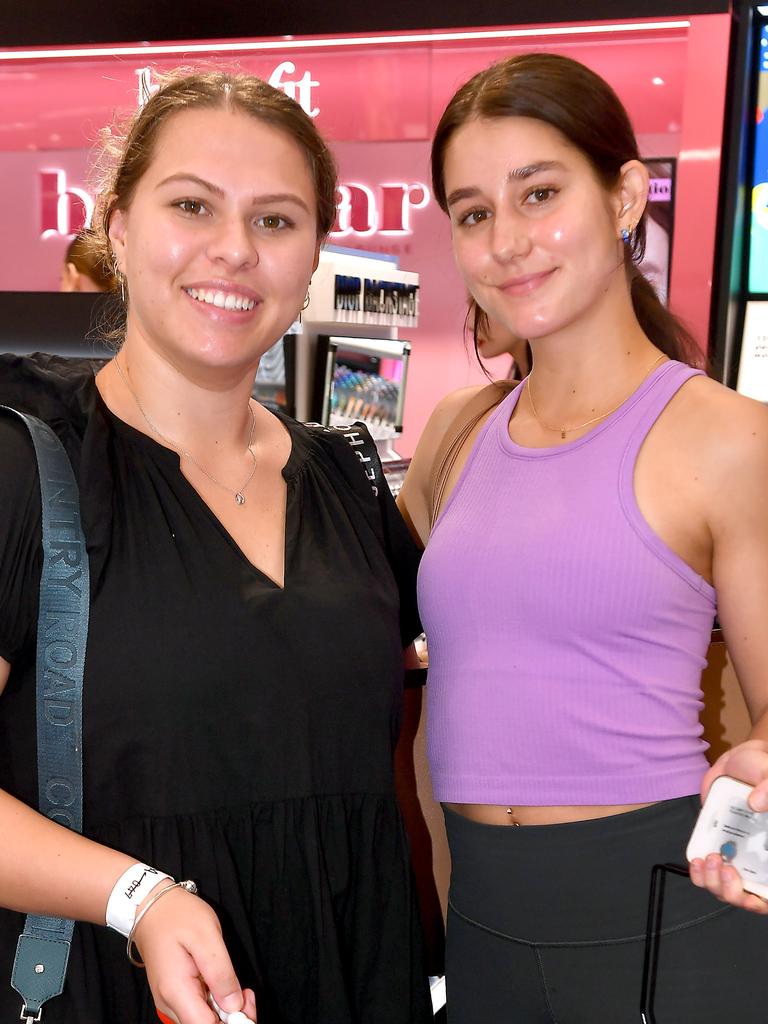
443,415
725,435
413,500
721,418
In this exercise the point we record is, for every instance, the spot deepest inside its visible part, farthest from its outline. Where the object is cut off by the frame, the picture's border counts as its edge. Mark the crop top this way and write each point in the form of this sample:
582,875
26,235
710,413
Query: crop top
566,640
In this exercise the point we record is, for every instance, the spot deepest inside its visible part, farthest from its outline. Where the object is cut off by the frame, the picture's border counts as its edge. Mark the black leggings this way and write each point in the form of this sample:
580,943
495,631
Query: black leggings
547,924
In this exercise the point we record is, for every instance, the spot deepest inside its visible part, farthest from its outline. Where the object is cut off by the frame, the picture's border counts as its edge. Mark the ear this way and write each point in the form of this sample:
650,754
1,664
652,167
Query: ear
631,194
69,275
316,260
118,229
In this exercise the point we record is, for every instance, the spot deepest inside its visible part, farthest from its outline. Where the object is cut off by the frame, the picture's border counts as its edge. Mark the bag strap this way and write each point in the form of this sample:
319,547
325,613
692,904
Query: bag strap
456,435
362,444
40,965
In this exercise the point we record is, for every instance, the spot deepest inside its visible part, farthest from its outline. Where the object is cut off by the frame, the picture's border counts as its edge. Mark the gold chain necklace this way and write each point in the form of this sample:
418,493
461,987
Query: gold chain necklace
562,431
239,496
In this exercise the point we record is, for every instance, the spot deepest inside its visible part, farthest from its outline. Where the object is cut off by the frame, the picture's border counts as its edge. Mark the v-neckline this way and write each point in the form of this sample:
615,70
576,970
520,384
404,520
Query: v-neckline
172,457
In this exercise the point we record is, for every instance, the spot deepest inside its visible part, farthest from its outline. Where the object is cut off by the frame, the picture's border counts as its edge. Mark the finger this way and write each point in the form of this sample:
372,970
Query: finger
249,1002
712,874
179,994
758,798
755,904
731,886
218,975
696,872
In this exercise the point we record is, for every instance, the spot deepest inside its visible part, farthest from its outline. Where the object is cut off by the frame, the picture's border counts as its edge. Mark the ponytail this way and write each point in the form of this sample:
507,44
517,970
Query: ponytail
663,328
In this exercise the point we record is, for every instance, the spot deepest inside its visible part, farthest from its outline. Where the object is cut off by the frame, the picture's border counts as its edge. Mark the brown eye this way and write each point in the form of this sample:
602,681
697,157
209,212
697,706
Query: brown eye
474,217
539,195
191,206
272,222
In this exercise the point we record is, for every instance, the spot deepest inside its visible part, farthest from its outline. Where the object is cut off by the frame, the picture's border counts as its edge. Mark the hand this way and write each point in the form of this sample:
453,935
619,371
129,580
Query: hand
181,944
749,763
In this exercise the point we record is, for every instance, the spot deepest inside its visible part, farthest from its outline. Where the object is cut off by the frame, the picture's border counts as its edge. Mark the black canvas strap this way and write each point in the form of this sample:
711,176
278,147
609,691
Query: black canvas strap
40,965
362,444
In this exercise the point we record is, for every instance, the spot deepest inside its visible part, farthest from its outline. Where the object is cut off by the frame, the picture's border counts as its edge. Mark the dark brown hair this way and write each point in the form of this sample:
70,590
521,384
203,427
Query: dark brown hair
127,154
476,326
578,103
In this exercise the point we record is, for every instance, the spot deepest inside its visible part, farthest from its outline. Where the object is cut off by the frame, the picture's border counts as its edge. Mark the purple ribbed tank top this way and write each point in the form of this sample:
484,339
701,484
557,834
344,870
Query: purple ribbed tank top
566,640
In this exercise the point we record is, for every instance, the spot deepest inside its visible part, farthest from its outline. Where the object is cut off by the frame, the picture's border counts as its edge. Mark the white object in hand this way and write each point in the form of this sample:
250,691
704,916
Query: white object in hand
238,1017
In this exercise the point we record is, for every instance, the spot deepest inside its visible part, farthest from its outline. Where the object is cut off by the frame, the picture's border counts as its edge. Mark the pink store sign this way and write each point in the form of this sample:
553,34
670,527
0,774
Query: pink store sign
46,200
363,96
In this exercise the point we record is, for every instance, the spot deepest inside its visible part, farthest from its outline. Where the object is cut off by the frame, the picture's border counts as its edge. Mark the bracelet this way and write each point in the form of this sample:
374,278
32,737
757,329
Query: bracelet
188,886
128,892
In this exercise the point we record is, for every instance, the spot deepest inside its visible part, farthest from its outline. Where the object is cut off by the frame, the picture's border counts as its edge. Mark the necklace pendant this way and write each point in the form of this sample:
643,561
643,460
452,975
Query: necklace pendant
562,432
240,498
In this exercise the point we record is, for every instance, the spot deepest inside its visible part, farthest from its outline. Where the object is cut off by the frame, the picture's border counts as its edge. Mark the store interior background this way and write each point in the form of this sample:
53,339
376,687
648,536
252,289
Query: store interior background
378,106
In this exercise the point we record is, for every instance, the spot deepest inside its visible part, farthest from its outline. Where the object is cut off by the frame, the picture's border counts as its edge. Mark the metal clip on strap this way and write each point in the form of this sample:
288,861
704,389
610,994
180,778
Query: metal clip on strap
40,965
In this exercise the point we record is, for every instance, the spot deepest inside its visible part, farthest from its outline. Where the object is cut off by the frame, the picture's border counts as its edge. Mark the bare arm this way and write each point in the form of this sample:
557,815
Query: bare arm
415,499
48,869
739,527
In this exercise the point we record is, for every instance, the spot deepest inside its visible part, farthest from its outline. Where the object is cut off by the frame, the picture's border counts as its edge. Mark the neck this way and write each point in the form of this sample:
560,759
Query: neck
587,367
205,413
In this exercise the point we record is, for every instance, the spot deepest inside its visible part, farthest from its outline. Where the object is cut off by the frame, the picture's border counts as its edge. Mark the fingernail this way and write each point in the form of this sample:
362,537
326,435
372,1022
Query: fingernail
759,801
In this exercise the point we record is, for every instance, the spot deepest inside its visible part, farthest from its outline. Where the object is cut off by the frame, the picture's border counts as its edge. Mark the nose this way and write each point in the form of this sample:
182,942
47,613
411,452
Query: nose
233,244
510,236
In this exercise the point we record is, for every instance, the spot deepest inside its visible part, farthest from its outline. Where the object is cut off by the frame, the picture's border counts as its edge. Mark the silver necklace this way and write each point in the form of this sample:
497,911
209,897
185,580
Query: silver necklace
239,496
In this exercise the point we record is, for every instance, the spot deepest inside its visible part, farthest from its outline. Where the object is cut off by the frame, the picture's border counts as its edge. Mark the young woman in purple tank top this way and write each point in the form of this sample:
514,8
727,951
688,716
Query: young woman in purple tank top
590,525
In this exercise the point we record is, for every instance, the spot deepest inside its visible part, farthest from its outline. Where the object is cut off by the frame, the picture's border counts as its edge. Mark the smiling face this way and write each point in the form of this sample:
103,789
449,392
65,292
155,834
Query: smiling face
535,233
219,241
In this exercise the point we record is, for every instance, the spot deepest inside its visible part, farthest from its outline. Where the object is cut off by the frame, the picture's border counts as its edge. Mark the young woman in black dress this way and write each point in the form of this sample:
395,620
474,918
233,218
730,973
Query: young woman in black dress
250,601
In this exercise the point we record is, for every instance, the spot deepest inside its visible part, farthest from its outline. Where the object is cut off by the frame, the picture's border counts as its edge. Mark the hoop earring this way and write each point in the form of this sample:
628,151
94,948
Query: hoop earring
306,302
118,277
626,235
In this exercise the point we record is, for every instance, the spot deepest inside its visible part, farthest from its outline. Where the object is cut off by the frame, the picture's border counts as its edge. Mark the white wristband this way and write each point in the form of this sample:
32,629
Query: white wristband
129,891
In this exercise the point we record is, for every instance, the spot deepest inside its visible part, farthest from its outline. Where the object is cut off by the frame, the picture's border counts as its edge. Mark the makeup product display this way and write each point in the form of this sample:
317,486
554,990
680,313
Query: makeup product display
361,379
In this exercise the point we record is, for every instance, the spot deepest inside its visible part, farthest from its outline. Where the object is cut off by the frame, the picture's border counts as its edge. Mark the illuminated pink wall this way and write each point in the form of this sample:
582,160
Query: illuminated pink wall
379,105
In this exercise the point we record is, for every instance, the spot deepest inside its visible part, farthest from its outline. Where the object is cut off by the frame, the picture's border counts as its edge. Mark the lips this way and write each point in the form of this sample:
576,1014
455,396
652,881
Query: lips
525,284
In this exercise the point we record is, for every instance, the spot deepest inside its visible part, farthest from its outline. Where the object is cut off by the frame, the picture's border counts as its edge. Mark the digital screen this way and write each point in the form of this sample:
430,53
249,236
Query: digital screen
656,262
758,246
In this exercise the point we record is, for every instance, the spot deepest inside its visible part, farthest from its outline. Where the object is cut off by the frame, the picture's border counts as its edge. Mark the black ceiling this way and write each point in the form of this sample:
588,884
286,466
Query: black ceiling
46,22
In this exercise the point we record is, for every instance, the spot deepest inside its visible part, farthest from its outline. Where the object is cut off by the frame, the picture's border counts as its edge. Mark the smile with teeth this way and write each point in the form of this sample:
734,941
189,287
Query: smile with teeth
222,300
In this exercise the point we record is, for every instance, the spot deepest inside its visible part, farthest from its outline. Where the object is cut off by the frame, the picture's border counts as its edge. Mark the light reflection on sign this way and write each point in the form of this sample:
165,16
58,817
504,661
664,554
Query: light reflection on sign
299,89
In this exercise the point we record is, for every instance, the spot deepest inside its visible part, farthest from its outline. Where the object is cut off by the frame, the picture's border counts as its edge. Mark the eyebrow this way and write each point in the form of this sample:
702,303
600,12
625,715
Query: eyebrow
272,197
521,173
516,174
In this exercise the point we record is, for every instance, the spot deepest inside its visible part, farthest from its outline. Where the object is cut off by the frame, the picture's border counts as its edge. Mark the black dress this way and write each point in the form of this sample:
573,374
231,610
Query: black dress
235,733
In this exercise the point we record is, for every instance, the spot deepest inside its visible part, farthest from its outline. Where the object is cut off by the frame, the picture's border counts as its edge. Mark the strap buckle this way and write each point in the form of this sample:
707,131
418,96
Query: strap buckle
26,1015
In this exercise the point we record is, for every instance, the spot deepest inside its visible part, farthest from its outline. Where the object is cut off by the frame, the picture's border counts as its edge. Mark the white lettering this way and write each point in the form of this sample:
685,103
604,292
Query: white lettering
299,90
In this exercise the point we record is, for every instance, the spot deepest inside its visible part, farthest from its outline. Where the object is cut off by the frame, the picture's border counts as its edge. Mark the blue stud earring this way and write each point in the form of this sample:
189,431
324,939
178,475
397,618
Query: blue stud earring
625,236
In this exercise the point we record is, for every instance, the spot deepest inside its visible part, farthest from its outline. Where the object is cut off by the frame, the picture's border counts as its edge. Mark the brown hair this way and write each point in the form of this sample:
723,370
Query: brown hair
83,252
127,154
477,325
578,103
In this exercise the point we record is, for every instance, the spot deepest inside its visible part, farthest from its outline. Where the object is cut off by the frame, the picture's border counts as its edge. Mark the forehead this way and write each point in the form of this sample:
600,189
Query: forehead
492,146
231,149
